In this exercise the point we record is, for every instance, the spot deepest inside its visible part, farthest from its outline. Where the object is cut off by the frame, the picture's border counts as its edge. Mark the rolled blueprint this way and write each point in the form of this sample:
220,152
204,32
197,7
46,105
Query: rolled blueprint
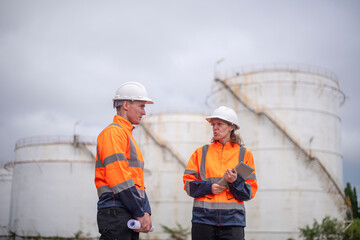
135,224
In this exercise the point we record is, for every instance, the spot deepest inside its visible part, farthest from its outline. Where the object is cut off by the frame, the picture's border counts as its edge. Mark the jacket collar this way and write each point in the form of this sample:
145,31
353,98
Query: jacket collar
226,146
123,122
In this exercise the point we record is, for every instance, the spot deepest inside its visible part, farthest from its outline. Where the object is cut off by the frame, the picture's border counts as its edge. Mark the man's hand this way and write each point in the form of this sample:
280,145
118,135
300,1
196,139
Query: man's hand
230,175
216,188
145,223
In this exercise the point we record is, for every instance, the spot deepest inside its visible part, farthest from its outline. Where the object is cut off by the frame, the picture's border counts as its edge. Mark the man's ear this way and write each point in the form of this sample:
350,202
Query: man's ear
125,105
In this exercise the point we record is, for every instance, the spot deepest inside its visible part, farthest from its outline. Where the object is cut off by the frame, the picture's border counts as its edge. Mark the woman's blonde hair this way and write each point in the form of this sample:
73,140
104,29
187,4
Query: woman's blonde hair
236,139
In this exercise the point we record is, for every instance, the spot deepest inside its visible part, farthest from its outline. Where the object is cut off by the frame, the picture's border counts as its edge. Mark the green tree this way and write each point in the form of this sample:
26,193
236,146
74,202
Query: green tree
330,229
352,196
178,233
353,232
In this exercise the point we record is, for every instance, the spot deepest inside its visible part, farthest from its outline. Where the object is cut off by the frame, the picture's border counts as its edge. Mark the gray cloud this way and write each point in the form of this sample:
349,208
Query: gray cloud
61,61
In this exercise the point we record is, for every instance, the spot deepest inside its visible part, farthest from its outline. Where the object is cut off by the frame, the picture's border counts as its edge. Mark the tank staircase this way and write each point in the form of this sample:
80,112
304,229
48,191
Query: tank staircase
162,144
329,181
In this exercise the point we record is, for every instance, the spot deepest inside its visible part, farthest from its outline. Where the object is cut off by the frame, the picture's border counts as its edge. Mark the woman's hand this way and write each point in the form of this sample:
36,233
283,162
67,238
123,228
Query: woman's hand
230,175
216,188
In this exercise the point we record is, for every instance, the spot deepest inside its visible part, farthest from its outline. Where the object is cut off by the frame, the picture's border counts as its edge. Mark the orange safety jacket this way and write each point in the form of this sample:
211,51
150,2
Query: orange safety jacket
119,175
207,166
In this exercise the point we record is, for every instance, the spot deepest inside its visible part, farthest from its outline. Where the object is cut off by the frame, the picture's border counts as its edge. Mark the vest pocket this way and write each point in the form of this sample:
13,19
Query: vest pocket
229,195
209,196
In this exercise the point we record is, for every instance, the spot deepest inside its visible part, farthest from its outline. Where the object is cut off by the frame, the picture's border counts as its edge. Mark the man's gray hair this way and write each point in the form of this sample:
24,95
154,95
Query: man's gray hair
118,103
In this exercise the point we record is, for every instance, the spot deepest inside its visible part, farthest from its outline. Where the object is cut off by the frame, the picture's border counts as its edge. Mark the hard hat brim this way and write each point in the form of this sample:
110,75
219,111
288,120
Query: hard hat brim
146,100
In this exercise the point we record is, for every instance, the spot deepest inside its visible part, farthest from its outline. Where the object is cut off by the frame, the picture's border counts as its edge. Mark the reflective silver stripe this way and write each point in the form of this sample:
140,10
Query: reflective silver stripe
205,149
99,164
219,205
192,172
141,193
123,186
187,187
119,157
113,158
136,163
126,185
214,179
115,124
242,154
241,159
120,187
103,189
133,161
133,155
249,187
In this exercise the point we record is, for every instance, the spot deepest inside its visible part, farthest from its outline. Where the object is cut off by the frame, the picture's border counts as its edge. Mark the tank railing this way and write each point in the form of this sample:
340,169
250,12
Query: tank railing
6,176
282,128
163,144
12,164
53,140
298,67
75,140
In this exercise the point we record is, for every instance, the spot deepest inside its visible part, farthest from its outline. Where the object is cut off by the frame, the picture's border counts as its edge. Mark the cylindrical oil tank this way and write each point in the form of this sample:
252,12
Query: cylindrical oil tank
5,193
53,193
167,141
289,119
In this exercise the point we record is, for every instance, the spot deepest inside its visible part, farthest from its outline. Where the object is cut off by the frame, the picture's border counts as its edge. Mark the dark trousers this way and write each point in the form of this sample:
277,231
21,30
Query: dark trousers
209,232
112,223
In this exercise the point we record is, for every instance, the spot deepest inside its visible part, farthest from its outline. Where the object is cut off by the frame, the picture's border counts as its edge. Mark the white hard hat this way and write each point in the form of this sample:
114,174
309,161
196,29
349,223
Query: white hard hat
132,91
226,114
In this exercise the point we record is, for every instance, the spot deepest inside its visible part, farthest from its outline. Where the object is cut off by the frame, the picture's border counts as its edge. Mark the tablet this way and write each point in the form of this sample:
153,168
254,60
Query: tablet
243,170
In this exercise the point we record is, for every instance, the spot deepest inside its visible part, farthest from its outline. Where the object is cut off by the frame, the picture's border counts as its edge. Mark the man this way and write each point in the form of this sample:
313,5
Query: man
119,176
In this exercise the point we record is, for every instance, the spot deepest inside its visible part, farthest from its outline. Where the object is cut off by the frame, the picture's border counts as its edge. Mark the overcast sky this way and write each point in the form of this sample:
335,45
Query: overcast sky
61,61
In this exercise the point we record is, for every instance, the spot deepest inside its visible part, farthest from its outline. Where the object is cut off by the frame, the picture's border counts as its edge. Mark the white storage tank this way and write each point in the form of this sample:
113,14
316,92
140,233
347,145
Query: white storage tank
167,141
53,193
5,193
289,119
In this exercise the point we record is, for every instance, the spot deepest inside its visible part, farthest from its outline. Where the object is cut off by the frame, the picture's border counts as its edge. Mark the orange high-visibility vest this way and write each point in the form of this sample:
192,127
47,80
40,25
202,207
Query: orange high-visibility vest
119,176
207,166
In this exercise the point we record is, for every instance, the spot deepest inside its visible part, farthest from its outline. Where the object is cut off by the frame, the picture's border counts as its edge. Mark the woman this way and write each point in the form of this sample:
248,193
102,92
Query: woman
218,211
